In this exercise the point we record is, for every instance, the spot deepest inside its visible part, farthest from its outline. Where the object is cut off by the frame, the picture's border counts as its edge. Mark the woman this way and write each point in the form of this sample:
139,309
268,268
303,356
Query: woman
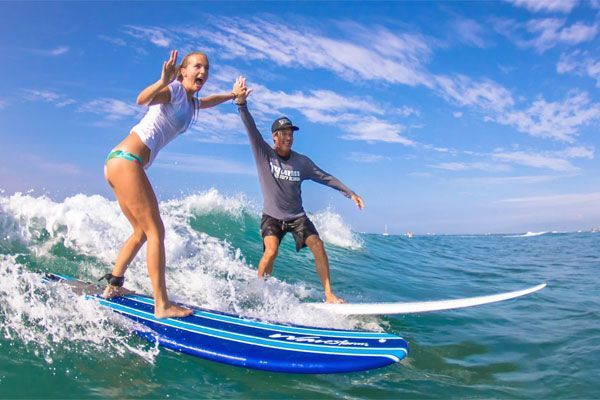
172,108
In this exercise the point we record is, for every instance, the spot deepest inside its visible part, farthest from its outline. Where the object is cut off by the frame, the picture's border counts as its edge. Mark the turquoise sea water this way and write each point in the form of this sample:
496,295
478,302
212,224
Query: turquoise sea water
54,344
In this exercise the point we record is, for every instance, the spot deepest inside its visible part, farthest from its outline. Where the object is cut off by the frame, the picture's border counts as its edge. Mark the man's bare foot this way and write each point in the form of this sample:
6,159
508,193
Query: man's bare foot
332,298
171,311
115,291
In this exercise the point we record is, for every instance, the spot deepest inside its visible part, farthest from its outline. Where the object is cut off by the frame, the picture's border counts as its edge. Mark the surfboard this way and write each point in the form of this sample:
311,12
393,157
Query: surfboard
239,341
421,307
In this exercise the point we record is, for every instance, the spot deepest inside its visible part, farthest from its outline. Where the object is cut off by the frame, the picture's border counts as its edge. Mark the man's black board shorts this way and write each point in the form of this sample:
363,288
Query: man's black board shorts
301,229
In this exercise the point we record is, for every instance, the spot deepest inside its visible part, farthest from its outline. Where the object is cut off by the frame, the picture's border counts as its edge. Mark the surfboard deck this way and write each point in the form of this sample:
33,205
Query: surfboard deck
421,307
243,342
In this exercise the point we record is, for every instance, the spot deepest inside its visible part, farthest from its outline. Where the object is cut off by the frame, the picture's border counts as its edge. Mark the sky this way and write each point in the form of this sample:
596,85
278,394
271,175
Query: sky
446,117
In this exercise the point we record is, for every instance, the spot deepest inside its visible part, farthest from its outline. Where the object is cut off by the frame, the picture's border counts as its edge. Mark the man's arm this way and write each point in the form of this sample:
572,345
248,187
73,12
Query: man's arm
322,177
258,144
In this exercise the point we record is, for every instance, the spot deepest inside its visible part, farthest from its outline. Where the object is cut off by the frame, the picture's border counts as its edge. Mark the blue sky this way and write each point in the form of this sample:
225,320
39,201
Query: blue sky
460,117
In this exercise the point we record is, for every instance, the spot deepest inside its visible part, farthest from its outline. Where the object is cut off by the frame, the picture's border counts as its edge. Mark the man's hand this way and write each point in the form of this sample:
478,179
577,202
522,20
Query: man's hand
358,201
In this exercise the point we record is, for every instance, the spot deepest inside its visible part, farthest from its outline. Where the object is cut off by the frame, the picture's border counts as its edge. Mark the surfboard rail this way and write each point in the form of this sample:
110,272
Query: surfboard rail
422,306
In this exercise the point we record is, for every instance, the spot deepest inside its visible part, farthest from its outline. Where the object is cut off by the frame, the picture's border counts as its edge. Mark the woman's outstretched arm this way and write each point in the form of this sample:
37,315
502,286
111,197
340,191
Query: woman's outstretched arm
216,99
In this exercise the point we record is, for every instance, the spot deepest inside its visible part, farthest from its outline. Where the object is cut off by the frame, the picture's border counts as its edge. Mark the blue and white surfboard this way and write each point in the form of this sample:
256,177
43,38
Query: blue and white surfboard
242,342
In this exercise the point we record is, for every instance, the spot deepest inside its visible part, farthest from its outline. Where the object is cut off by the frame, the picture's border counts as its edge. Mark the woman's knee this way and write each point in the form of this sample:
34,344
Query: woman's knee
139,236
156,231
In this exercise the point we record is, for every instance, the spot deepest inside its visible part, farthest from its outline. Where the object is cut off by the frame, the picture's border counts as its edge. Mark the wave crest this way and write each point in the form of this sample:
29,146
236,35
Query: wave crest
332,229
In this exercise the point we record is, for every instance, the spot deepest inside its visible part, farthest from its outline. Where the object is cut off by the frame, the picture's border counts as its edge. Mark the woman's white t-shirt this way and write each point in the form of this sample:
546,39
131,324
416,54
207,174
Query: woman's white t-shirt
164,122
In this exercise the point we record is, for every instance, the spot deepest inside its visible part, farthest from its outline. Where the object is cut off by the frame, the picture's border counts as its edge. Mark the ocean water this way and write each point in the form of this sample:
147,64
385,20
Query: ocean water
55,344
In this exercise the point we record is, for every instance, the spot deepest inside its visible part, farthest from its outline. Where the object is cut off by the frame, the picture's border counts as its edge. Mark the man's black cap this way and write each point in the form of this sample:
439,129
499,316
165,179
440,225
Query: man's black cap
281,123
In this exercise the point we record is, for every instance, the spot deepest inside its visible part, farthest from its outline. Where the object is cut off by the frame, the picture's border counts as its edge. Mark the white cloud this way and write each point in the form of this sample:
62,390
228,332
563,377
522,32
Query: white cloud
552,160
463,166
322,104
153,34
194,163
457,114
41,95
505,69
406,111
464,91
508,180
578,33
559,201
3,104
420,174
366,158
545,33
580,63
372,129
47,96
564,6
469,32
577,152
112,109
367,53
54,52
59,51
359,119
555,120
113,40
393,57
357,53
214,126
536,160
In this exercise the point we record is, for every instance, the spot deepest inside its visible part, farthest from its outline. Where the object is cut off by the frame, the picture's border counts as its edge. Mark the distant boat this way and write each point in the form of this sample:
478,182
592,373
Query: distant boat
409,234
385,232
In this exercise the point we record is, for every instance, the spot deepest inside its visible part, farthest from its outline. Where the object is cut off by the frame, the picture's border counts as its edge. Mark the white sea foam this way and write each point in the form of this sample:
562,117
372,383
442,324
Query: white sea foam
50,320
211,201
201,270
530,234
332,229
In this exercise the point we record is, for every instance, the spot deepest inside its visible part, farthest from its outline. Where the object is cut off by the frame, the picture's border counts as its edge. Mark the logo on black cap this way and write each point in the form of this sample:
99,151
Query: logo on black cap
283,122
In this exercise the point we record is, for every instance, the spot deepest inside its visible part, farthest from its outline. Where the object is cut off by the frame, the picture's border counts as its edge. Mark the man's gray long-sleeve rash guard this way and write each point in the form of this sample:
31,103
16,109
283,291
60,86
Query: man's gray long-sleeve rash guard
280,179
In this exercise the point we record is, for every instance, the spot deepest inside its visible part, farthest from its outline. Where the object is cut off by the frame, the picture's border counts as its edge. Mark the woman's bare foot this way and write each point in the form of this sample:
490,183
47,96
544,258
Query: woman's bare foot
332,298
115,291
171,311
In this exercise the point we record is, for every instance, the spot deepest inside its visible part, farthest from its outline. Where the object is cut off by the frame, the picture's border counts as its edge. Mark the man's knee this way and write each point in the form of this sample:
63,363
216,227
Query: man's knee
271,252
271,249
315,243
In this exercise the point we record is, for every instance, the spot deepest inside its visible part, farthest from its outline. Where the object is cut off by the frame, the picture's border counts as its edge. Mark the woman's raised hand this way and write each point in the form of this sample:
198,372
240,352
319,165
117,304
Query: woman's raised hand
169,69
240,90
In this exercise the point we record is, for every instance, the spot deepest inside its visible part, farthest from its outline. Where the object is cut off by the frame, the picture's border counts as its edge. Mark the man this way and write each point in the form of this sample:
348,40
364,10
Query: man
281,172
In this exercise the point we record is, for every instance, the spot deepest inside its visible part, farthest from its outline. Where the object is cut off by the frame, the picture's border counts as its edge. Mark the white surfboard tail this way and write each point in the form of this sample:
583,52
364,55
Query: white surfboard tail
421,307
